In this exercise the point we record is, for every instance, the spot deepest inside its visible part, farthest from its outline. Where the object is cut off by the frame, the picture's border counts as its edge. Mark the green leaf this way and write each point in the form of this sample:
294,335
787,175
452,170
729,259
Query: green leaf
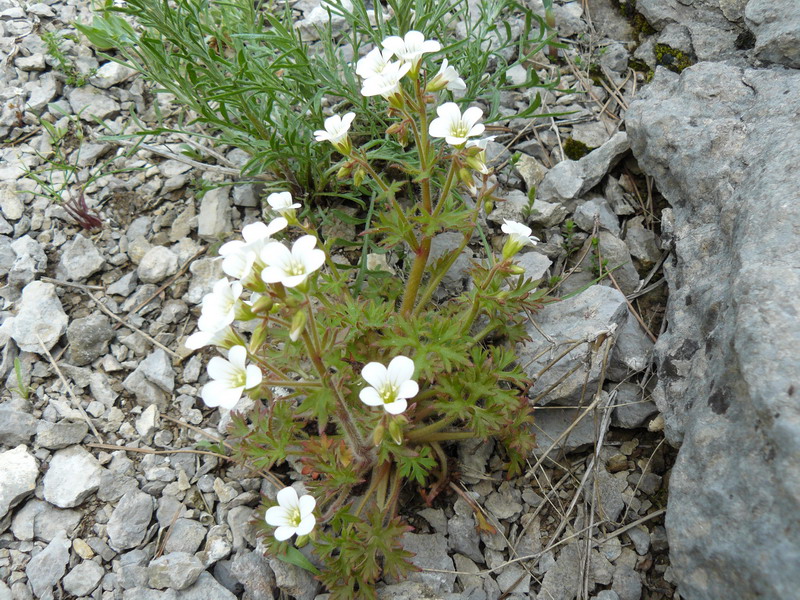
294,557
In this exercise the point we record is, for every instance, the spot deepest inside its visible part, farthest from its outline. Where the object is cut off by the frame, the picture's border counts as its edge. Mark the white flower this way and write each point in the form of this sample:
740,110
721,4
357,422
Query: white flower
292,515
219,307
411,47
291,268
335,131
447,77
476,158
373,63
454,127
239,256
387,83
519,236
208,334
229,378
389,386
281,203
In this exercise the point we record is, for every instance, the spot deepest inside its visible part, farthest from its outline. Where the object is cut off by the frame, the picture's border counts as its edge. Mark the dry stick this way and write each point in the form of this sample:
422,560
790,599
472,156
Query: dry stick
634,312
131,326
185,159
644,471
217,440
588,88
79,286
71,394
568,430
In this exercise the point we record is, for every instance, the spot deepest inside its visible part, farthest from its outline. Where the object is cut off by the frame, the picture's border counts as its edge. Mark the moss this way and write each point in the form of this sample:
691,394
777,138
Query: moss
574,150
641,67
672,58
627,9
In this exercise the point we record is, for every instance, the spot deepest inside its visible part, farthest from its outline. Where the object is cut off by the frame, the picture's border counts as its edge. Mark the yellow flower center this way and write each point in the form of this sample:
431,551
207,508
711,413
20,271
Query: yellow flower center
388,393
295,267
294,517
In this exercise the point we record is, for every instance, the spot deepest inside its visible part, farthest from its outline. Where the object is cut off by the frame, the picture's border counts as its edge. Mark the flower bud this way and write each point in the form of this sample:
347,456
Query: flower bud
298,325
258,338
488,206
396,431
377,435
344,171
516,270
394,128
358,176
243,312
263,305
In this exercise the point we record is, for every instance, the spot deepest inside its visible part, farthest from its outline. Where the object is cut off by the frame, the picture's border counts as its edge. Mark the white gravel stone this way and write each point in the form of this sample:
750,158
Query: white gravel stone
157,264
129,521
72,476
90,104
18,474
10,203
215,213
80,259
40,316
111,74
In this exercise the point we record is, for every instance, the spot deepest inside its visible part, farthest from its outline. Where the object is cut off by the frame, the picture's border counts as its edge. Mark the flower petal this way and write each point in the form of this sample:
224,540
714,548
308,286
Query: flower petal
348,119
306,504
231,247
237,356
276,254
291,281
287,497
439,128
303,246
370,397
400,369
277,224
472,115
314,260
220,369
375,374
408,389
254,377
306,525
396,407
276,516
217,393
284,533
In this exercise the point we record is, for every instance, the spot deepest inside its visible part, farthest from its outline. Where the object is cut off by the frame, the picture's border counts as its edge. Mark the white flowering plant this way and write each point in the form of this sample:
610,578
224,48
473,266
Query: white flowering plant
354,380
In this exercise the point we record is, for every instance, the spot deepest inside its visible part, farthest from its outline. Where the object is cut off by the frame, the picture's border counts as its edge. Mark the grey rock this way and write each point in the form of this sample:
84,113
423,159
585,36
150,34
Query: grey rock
293,580
90,103
463,537
642,242
728,360
206,588
504,504
16,427
176,571
776,25
627,583
89,152
5,591
631,410
219,543
514,577
607,17
157,264
73,474
80,259
55,436
7,255
215,213
592,133
253,572
42,92
584,316
187,536
571,179
632,351
535,264
18,475
596,208
640,539
547,214
124,286
153,380
430,552
145,593
30,261
129,521
88,338
465,566
205,273
562,580
40,316
41,521
457,276
511,207
609,490
606,595
83,578
615,257
553,421
712,35
530,170
615,56
436,518
240,521
46,568
408,590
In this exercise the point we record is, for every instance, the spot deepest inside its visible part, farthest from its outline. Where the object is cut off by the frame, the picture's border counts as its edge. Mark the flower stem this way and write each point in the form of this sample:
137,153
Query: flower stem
416,434
447,436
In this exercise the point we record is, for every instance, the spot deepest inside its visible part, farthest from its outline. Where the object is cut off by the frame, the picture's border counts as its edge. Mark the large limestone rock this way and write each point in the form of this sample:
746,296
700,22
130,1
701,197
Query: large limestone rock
720,143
